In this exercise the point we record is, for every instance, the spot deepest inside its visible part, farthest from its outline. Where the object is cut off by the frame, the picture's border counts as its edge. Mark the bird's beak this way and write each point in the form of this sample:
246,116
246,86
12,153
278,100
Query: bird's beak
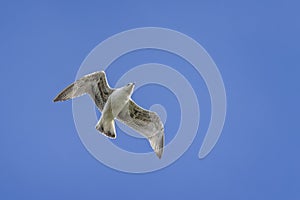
132,85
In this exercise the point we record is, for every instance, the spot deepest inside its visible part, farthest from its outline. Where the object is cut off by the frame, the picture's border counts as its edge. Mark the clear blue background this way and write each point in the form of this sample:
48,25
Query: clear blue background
256,47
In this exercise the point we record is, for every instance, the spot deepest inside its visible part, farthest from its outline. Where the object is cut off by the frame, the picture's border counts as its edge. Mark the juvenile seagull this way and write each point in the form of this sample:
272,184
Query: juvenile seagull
115,103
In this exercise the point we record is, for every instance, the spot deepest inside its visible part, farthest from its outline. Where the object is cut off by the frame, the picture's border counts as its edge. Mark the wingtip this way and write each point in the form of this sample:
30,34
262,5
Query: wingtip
157,144
57,98
159,153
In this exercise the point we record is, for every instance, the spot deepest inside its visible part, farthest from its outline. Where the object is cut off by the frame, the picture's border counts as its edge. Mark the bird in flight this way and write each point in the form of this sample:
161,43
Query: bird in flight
116,103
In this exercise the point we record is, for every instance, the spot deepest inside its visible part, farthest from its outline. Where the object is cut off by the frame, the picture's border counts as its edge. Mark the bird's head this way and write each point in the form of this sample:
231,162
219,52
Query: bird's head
129,88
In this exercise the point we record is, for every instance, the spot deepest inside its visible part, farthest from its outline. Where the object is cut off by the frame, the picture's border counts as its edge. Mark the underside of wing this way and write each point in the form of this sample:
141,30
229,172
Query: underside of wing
94,84
146,122
100,90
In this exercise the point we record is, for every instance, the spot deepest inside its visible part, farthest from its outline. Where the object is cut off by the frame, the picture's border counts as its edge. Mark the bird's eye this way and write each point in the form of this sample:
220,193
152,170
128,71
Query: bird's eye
128,84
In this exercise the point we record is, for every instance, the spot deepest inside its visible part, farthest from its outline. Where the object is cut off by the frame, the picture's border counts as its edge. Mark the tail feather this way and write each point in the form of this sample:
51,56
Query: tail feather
107,127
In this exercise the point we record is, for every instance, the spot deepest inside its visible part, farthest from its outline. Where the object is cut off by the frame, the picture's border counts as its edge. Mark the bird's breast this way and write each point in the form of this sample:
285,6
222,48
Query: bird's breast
118,100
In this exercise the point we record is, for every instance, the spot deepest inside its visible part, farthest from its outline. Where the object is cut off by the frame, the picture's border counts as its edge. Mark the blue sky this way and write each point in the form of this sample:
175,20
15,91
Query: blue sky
256,48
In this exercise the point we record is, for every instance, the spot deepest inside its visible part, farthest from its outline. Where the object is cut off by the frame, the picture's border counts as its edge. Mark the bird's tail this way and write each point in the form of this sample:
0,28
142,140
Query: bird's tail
107,127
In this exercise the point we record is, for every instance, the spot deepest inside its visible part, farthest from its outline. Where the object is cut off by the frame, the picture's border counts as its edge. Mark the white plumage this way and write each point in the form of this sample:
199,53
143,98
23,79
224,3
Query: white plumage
116,103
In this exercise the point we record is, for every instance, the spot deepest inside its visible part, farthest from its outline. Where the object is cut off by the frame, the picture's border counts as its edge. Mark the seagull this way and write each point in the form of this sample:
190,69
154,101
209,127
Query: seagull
116,103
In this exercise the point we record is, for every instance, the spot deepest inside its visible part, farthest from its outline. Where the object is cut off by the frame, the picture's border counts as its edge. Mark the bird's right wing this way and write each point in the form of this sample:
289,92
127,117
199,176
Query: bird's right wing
94,84
146,122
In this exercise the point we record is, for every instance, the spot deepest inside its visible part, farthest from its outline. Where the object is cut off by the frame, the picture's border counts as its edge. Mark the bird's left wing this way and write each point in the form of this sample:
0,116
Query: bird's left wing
146,122
94,84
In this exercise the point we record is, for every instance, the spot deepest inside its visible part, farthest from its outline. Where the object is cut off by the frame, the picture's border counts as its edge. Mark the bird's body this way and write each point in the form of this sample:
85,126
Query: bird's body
119,98
114,105
117,104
